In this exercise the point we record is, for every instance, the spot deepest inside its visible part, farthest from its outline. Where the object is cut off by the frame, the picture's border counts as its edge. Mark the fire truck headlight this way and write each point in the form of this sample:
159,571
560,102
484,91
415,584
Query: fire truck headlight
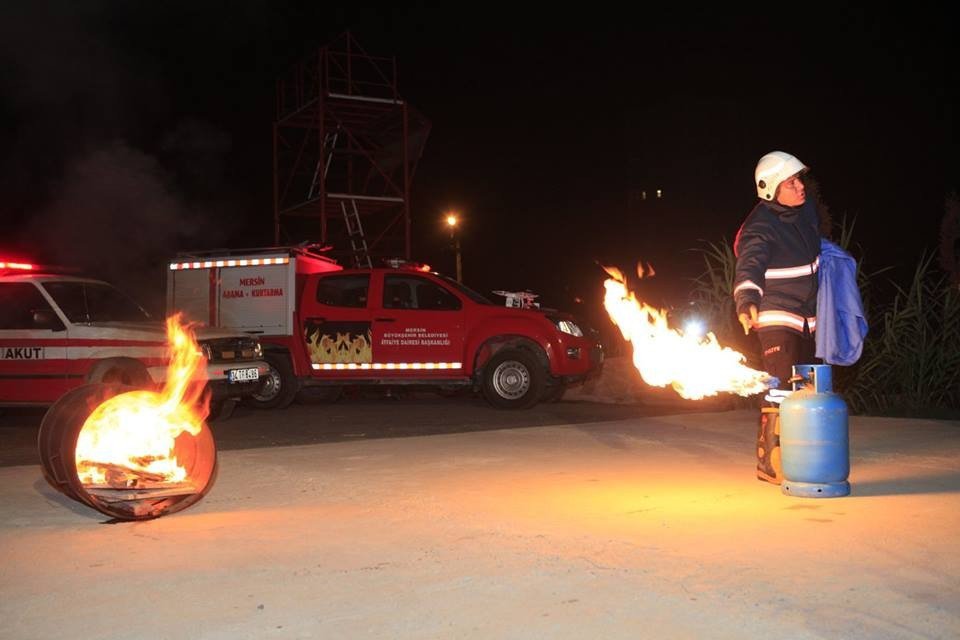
568,327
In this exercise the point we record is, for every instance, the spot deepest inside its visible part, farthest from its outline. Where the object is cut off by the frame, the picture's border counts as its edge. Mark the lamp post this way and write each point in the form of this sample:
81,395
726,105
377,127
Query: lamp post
452,221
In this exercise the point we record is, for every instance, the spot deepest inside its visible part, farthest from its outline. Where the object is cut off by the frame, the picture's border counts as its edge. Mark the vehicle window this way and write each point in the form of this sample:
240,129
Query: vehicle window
94,302
22,306
412,292
344,291
467,291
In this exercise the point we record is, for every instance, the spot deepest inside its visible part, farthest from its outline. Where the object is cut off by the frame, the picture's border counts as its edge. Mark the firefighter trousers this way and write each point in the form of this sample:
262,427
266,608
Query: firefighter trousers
781,349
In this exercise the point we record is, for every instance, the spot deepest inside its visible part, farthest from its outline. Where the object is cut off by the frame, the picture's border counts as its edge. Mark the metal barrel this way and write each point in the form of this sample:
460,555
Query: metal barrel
814,436
57,445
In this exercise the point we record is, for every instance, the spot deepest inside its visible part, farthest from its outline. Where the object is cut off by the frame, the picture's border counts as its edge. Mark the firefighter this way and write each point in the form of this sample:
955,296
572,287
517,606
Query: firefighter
777,253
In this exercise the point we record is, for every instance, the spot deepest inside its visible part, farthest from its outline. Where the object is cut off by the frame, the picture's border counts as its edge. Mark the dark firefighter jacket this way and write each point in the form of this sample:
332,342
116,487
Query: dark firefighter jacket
778,254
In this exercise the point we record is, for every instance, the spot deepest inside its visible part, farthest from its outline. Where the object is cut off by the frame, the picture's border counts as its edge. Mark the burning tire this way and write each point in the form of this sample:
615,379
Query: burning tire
513,379
131,490
280,385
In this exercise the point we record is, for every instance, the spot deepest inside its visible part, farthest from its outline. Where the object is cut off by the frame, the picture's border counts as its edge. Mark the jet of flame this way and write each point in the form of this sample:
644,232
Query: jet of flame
136,431
695,366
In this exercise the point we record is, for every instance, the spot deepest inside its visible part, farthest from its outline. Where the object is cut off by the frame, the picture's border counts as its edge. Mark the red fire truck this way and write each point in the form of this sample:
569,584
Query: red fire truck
59,331
324,326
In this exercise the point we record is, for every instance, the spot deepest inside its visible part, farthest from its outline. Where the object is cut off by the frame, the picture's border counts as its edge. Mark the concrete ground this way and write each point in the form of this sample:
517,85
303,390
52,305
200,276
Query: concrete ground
649,527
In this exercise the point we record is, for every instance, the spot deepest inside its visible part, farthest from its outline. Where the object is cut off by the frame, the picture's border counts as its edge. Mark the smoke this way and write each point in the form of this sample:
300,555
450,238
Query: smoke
63,88
116,215
99,167
198,151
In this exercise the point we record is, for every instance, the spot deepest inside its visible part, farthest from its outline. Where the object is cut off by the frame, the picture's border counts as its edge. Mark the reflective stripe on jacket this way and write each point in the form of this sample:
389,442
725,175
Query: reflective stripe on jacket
778,256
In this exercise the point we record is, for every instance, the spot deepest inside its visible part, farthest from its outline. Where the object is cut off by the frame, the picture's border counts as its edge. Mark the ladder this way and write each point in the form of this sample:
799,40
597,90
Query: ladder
361,254
329,142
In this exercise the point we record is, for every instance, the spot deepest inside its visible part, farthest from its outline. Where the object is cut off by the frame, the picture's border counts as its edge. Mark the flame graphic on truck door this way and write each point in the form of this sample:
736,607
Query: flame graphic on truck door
338,342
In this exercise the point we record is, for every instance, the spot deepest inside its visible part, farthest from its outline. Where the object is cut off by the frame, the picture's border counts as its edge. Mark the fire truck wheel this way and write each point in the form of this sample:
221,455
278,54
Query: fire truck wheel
513,379
279,385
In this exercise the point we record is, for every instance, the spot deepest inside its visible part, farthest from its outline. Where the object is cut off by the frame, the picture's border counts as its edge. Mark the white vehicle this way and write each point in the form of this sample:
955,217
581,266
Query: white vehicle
58,332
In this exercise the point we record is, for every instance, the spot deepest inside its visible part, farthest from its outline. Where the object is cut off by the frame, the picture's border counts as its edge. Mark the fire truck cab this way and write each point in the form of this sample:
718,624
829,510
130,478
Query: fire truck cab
59,331
324,326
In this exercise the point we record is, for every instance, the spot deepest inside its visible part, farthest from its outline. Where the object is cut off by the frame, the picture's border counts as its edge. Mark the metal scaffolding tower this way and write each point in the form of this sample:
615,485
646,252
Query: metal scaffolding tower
345,148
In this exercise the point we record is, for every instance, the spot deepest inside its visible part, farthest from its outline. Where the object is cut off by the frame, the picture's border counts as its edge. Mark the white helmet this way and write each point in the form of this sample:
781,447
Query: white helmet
772,169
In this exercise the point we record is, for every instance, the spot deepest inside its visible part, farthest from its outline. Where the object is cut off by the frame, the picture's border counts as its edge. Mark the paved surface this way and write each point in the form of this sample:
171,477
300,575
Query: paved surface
372,414
638,527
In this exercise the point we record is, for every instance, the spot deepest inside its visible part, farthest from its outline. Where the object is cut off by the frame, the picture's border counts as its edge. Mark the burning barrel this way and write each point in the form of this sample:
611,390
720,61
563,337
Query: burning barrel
129,454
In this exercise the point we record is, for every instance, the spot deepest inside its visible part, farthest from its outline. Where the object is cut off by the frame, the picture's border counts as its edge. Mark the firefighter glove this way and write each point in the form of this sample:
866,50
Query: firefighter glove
748,317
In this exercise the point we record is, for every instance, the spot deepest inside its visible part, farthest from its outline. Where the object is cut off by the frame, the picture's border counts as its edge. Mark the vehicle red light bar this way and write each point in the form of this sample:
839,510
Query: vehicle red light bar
23,266
231,262
399,263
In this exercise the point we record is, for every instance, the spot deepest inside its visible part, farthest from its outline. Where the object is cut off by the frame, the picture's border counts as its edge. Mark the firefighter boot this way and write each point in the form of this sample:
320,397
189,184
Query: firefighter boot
769,468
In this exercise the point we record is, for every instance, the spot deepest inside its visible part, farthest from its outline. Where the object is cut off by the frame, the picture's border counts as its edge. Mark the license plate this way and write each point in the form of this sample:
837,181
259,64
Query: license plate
243,375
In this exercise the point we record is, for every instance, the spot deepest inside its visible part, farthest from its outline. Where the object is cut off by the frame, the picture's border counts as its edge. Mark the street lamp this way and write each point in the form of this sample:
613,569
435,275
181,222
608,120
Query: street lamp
452,221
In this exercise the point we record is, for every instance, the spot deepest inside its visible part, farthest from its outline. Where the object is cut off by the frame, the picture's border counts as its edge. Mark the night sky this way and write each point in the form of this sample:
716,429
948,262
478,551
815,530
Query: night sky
134,130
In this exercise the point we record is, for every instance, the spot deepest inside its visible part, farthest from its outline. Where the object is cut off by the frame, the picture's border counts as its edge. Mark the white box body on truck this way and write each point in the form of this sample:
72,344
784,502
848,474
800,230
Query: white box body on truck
251,291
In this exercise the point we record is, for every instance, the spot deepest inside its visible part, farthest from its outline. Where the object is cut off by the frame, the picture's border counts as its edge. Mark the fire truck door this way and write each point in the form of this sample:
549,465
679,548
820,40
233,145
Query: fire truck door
419,326
336,324
33,365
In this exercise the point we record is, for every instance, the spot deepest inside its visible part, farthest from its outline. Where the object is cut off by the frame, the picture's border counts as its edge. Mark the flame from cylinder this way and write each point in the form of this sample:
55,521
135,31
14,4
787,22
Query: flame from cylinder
695,366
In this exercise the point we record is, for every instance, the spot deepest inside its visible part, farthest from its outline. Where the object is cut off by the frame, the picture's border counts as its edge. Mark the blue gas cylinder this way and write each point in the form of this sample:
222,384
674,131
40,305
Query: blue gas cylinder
814,436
